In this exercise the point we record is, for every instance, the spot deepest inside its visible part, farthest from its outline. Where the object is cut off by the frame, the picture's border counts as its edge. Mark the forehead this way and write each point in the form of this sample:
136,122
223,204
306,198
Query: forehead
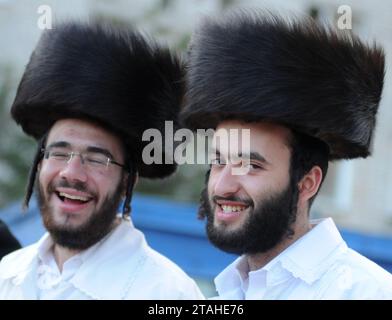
270,140
83,133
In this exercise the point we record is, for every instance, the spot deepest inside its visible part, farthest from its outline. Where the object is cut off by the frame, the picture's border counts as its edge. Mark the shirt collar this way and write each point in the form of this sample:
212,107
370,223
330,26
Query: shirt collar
311,256
45,249
47,262
307,259
242,270
230,281
120,253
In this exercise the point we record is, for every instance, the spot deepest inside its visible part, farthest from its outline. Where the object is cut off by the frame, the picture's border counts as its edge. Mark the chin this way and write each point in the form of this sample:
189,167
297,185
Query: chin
69,221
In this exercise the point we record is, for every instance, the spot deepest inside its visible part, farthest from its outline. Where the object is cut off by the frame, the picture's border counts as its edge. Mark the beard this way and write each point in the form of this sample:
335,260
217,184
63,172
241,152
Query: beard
268,222
97,226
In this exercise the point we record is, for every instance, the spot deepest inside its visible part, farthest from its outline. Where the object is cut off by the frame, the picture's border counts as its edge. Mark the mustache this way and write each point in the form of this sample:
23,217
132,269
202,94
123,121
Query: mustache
77,185
233,198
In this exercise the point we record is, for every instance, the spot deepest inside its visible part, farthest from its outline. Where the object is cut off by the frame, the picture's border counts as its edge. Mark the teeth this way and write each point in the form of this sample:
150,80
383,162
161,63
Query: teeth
228,209
66,195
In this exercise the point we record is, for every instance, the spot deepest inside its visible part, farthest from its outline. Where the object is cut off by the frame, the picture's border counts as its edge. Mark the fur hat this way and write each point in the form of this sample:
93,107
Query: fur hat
111,75
323,82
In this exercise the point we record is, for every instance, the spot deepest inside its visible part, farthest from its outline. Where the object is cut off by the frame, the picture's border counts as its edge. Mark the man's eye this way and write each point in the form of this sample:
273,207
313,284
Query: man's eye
58,155
96,159
252,165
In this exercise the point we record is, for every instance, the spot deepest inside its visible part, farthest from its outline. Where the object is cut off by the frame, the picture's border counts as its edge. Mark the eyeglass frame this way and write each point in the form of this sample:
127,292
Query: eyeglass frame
45,151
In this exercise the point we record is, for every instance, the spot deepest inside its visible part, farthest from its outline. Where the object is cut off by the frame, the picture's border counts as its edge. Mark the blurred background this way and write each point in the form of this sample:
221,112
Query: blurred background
356,193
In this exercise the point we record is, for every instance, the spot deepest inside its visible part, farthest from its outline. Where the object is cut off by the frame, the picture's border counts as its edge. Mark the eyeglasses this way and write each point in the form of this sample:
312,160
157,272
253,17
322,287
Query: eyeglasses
92,160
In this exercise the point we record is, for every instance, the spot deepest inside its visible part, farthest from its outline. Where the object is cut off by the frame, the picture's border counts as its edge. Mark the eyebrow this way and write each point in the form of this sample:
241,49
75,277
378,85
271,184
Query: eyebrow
64,144
253,155
59,144
104,151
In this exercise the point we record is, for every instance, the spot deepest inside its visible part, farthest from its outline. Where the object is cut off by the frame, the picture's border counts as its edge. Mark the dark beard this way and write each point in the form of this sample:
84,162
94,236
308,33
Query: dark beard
267,224
99,224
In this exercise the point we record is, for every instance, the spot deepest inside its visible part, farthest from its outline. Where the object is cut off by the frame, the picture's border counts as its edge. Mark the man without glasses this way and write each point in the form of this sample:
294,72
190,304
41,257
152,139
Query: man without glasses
87,95
308,95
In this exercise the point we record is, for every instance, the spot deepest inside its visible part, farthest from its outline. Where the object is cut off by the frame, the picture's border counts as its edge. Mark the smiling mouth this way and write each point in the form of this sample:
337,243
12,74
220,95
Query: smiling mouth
232,209
69,198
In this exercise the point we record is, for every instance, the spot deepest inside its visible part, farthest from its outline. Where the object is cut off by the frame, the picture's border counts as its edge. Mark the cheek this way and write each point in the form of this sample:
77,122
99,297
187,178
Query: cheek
105,187
259,186
211,183
45,175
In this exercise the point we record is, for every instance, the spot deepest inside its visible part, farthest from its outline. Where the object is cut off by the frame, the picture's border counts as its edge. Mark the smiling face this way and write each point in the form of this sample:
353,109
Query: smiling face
252,212
79,199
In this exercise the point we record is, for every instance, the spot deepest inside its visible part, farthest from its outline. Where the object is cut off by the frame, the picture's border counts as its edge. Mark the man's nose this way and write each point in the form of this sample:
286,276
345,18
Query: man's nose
74,170
226,183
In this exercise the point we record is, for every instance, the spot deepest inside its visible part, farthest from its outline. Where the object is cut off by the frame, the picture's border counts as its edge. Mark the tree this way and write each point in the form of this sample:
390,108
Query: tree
16,149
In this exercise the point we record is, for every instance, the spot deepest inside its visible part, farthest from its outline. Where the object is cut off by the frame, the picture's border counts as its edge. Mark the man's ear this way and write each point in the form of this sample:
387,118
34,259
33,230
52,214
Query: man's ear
309,185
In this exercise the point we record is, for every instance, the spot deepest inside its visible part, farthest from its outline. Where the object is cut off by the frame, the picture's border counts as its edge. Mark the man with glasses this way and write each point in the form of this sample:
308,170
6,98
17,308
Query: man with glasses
87,94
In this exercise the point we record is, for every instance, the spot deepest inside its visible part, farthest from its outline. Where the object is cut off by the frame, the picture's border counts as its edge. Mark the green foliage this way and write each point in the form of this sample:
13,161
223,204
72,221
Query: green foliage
15,148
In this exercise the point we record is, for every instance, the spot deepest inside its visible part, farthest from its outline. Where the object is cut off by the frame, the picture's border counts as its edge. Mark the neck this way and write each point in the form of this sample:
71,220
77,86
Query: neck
62,254
259,260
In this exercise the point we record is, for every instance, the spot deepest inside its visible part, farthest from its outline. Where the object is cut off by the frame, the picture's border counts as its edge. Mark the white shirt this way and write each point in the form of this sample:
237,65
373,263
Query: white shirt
319,265
51,283
120,266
